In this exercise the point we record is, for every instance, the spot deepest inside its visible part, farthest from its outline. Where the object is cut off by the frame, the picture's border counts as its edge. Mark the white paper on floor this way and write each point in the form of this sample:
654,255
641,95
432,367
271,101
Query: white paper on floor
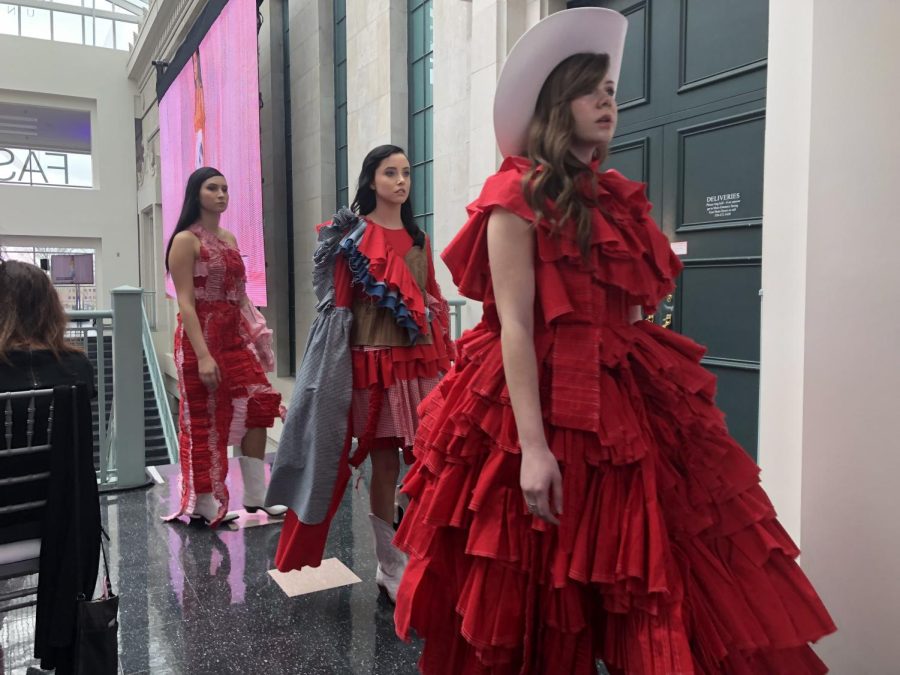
332,573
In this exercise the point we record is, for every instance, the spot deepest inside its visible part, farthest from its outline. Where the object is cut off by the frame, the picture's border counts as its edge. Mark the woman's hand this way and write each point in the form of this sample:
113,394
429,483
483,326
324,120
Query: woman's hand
209,372
541,483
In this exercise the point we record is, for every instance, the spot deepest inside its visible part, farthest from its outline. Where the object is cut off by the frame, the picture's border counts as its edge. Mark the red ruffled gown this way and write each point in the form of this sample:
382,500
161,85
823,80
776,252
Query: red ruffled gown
389,382
208,422
668,558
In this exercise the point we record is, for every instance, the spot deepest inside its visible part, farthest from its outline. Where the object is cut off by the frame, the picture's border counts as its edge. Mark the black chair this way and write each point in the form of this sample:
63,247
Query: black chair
26,428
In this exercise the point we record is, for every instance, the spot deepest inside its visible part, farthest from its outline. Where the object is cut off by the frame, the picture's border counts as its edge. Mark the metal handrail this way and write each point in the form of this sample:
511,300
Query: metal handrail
89,314
456,306
28,393
104,439
159,390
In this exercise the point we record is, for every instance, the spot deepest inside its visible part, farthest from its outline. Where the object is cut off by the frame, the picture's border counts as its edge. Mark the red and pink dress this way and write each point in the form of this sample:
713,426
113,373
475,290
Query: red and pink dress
211,421
668,558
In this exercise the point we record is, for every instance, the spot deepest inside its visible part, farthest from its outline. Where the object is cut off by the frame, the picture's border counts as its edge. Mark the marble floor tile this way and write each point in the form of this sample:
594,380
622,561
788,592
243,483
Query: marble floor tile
195,600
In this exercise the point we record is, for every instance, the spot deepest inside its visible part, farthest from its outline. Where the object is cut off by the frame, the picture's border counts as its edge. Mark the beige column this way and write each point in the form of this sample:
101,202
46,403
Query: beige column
274,186
312,130
377,90
496,26
452,57
471,41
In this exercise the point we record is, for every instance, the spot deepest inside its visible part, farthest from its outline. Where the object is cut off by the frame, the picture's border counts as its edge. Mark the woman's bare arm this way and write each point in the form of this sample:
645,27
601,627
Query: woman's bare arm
511,255
184,252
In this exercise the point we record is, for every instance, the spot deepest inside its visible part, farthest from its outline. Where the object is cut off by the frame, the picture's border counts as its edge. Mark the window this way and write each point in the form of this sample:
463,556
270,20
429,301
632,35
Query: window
68,27
125,33
341,172
89,22
35,23
28,166
73,296
104,33
45,146
9,19
421,127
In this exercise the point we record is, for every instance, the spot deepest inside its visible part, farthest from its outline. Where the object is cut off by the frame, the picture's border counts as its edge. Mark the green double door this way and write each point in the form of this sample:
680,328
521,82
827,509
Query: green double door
692,125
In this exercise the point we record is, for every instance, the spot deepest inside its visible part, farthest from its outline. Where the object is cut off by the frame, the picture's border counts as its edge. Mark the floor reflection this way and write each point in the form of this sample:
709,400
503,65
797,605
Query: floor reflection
196,601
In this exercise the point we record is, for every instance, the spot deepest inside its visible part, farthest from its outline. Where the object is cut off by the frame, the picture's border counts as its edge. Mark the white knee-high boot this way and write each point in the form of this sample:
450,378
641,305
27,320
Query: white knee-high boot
253,471
391,560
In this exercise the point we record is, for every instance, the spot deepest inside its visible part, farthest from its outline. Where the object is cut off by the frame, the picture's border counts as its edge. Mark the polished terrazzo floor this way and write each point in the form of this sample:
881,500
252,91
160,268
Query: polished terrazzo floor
197,601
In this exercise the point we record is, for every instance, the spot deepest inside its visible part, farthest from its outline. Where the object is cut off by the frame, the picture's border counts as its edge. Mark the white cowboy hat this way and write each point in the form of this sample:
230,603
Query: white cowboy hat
559,36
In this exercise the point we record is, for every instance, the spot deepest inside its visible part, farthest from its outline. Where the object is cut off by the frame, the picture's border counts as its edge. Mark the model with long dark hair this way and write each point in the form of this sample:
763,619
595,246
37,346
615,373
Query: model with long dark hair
221,347
576,495
380,343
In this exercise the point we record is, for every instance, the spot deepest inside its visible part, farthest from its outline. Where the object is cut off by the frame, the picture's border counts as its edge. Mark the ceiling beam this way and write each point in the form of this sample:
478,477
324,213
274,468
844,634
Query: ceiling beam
73,9
129,6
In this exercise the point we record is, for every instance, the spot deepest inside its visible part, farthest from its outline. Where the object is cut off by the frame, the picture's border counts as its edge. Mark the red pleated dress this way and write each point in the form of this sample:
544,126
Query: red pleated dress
208,422
668,558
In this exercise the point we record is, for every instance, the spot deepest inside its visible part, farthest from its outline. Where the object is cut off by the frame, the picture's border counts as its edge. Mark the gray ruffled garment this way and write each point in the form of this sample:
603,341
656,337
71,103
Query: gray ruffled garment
315,430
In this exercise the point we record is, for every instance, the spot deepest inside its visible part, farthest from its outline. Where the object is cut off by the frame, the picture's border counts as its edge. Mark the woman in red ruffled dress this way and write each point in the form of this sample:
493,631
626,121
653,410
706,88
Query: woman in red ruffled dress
576,495
379,345
222,350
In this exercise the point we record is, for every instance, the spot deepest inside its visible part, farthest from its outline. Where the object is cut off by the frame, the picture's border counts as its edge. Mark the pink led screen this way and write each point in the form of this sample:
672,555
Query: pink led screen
209,116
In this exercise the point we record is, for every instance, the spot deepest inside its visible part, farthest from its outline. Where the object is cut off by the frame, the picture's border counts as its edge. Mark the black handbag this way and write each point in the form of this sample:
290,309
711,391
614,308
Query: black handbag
96,650
97,628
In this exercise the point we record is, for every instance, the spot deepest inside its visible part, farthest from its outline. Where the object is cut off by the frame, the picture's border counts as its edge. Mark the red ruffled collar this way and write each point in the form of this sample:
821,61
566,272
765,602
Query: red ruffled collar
386,265
628,250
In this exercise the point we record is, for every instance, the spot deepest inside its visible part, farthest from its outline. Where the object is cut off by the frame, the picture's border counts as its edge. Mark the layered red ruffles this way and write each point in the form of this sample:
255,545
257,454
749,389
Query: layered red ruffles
401,373
388,366
387,267
668,558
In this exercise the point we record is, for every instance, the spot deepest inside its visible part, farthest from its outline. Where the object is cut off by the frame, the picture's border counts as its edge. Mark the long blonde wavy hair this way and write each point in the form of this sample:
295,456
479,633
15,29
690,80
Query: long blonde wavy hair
554,170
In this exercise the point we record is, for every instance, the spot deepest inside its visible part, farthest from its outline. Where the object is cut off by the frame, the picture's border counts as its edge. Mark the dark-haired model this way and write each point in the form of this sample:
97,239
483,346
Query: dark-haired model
221,344
378,346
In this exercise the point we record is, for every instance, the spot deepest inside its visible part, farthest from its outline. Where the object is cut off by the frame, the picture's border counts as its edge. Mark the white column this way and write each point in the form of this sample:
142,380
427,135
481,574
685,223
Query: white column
851,452
830,367
785,214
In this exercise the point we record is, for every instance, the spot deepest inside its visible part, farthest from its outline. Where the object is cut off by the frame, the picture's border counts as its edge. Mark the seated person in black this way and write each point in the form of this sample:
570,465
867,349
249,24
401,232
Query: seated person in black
33,355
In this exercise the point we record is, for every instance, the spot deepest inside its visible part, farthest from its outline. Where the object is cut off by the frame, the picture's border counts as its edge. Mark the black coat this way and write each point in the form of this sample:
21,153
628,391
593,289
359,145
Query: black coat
69,525
70,538
32,369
